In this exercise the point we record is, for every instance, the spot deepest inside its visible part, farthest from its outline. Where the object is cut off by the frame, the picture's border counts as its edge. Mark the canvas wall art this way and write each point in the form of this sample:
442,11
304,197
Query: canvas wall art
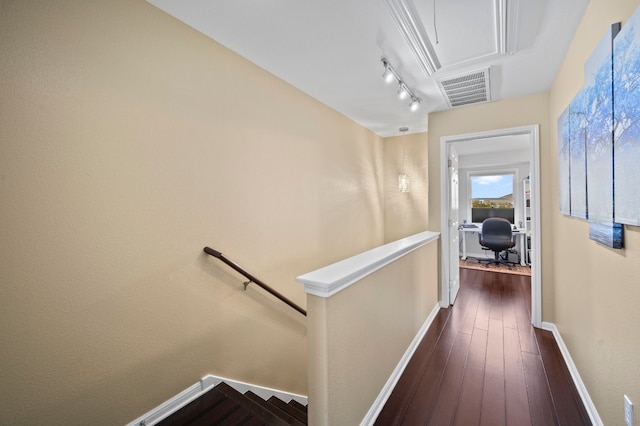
563,162
598,97
586,138
626,125
578,134
600,159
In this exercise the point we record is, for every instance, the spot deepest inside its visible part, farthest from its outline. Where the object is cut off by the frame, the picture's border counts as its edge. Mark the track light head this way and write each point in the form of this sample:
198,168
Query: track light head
415,103
388,75
402,92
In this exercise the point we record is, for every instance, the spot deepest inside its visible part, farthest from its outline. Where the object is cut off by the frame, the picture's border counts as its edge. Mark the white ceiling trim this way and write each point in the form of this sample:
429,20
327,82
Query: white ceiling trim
410,26
507,31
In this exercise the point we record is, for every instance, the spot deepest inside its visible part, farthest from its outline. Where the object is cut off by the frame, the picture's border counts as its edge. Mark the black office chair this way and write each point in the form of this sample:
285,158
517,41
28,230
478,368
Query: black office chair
497,236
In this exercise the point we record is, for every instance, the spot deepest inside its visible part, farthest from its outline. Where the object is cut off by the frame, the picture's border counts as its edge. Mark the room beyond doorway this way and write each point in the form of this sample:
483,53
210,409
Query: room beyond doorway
481,144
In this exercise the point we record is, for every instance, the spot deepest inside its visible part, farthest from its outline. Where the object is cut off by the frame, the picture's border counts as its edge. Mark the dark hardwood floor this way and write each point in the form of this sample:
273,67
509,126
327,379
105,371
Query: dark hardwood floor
482,363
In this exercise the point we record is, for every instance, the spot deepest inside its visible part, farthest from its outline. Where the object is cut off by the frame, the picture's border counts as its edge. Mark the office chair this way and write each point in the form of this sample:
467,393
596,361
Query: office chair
496,236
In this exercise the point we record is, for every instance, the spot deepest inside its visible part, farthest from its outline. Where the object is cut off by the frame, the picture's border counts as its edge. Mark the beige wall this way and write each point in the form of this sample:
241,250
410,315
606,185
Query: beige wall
384,312
128,142
596,290
405,213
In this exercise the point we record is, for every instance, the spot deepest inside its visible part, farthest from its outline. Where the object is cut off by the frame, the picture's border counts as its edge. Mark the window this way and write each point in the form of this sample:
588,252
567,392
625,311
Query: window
492,196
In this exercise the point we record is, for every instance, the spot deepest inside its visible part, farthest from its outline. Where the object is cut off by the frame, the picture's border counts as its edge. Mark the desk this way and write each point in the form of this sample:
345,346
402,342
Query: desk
519,233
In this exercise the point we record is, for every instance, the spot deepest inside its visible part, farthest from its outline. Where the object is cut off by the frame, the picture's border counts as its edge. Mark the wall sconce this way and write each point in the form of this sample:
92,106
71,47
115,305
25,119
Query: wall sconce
403,178
404,91
403,182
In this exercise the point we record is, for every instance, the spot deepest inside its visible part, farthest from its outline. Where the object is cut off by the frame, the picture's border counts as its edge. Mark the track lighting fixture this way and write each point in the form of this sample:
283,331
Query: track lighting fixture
388,75
404,92
415,103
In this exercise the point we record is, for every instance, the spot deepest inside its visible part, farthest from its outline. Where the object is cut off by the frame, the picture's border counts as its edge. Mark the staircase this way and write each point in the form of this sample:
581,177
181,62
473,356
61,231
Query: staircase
225,406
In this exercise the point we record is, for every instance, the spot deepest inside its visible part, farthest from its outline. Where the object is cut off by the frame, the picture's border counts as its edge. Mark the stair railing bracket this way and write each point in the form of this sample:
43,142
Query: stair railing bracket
246,284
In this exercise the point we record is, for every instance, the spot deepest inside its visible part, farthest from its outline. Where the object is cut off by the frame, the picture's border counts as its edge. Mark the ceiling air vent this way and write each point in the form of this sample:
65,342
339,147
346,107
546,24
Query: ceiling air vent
465,89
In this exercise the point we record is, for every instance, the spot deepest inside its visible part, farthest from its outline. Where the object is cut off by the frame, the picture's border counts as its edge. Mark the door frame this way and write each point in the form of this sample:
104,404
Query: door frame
453,291
532,132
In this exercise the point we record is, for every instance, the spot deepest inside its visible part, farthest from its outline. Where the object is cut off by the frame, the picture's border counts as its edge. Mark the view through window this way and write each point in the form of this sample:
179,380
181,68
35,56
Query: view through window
492,196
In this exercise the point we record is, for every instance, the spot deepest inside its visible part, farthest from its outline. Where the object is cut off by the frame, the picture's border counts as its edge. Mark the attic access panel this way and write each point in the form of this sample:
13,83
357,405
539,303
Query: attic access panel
474,35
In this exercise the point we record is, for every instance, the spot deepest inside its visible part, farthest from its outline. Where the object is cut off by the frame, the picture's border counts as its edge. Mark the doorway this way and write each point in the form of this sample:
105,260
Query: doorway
448,193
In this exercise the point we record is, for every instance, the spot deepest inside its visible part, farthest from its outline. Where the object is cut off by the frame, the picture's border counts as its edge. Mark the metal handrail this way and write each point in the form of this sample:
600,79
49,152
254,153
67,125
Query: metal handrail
252,279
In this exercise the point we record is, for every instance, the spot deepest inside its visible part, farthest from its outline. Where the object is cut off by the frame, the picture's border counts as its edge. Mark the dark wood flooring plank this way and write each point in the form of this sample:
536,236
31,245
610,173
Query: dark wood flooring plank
401,396
523,317
419,409
525,286
493,396
471,311
484,305
446,402
470,401
504,379
517,404
567,401
460,316
509,300
540,402
496,297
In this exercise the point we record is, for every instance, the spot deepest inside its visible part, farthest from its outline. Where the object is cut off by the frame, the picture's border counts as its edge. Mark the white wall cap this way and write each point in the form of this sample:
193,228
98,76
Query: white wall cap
327,281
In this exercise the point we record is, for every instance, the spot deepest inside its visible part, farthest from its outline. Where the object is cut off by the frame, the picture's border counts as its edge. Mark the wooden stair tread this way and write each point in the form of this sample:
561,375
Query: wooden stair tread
192,410
225,406
258,409
299,406
273,410
288,408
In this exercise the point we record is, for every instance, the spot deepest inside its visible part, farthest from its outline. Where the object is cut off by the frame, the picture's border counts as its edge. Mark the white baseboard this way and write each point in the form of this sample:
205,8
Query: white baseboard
384,394
573,370
205,384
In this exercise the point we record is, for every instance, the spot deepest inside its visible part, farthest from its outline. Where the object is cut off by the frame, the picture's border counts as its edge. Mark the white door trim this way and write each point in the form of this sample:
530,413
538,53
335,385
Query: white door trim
536,285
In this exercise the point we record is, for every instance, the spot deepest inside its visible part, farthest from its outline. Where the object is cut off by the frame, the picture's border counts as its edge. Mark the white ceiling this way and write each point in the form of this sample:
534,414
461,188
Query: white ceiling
331,49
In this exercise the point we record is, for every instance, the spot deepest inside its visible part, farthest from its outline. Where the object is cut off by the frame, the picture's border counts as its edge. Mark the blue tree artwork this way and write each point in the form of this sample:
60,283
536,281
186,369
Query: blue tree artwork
626,124
563,162
578,134
587,151
599,99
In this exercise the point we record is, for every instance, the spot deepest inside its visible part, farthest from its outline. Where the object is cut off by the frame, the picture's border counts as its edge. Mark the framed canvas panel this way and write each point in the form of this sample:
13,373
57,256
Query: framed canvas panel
626,124
563,163
600,183
609,234
598,93
578,133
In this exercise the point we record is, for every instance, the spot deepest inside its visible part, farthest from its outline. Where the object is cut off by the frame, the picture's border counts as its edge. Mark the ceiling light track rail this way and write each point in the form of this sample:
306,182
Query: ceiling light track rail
390,74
